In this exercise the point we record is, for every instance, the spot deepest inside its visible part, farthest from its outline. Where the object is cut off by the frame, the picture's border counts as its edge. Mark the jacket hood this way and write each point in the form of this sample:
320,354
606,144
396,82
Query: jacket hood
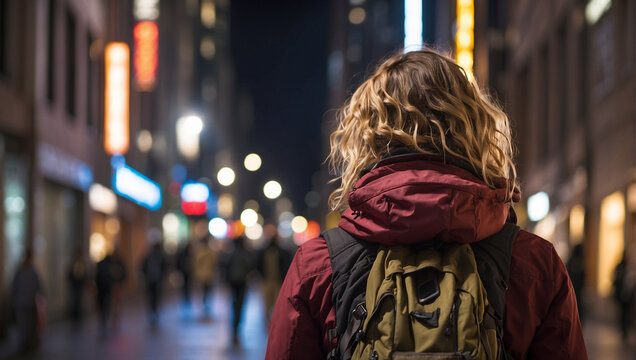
411,199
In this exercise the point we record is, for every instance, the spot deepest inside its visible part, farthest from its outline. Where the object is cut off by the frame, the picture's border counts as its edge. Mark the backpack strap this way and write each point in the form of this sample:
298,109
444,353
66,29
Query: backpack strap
351,260
493,255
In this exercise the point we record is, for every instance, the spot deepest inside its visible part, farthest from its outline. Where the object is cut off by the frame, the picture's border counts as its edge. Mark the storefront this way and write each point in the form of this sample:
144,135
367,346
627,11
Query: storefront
61,218
14,215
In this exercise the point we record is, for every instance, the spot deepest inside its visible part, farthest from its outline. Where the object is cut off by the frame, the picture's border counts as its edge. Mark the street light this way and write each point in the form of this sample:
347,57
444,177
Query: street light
252,162
299,224
226,176
272,189
249,217
188,130
218,228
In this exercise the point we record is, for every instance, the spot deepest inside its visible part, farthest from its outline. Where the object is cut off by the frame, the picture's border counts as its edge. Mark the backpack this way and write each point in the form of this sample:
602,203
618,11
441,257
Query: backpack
434,300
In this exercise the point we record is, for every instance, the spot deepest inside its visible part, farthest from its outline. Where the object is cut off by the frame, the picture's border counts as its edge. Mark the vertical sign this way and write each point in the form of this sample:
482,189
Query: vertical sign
465,37
413,25
146,36
116,133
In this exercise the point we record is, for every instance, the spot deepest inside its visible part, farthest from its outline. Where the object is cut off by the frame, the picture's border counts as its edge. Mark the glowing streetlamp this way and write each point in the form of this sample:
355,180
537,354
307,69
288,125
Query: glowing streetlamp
188,130
272,189
252,162
226,176
249,217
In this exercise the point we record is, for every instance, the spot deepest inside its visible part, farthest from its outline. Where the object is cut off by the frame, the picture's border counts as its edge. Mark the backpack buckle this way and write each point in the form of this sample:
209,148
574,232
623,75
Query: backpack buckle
360,311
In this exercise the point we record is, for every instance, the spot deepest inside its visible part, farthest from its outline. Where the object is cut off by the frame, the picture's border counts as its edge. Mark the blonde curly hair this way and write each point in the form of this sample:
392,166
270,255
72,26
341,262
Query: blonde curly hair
422,100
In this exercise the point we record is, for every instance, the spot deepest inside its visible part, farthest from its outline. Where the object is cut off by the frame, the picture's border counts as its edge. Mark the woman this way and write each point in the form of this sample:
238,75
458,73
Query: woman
397,138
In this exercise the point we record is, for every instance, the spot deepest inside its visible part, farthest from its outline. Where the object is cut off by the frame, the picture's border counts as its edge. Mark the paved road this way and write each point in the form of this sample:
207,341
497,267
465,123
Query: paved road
179,335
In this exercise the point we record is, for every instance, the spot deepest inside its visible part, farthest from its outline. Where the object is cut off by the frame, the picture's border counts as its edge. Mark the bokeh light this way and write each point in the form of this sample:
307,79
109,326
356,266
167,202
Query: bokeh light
272,189
249,217
252,162
218,228
226,176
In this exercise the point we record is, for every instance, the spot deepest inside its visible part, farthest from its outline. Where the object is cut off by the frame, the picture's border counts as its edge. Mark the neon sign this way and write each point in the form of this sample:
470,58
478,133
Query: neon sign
194,198
136,187
116,135
145,59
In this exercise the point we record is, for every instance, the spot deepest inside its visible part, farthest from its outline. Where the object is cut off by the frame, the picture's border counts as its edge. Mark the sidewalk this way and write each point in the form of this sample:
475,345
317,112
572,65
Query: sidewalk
603,341
180,335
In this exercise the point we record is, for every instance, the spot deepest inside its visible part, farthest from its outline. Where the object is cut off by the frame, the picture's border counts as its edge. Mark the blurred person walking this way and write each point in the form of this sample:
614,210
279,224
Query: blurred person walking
576,270
273,262
624,285
424,163
119,277
184,267
109,277
239,265
154,268
26,297
77,277
205,264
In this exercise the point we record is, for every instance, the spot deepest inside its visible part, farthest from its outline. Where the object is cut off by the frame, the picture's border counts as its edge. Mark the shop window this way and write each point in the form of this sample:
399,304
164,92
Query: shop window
577,224
50,53
611,244
71,64
15,212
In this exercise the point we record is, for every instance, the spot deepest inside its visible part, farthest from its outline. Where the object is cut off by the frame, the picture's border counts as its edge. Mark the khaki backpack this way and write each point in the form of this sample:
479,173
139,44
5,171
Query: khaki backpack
428,302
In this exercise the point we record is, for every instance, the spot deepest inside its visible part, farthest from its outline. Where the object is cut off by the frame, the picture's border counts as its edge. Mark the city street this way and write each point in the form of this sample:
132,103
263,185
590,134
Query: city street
190,337
178,336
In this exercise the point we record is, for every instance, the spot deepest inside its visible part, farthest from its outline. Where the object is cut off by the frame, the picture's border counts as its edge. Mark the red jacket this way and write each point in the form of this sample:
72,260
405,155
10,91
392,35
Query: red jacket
428,199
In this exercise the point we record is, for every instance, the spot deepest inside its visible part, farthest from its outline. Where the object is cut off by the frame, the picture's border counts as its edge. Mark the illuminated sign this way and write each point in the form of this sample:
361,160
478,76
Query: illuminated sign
102,199
63,167
464,38
134,186
413,25
146,36
538,206
146,9
194,198
116,99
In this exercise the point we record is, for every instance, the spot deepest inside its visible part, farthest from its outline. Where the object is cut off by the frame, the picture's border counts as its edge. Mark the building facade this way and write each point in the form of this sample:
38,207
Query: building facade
572,99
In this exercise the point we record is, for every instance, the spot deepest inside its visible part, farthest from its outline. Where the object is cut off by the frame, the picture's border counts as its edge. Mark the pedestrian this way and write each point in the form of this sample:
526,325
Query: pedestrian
239,265
119,275
26,289
424,161
205,264
110,274
154,268
184,267
273,262
576,270
77,277
624,285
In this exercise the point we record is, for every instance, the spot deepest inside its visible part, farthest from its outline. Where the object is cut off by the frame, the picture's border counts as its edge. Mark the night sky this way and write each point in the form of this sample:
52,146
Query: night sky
279,51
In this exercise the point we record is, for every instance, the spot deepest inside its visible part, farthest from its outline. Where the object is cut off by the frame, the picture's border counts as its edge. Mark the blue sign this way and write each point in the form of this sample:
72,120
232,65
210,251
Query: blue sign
134,186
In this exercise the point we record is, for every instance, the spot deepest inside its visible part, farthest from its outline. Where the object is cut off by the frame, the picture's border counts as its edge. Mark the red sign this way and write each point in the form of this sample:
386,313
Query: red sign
145,60
194,208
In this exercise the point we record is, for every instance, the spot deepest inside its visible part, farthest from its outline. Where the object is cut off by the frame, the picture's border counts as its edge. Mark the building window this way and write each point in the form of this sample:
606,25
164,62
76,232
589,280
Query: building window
50,56
562,84
3,35
90,82
611,245
544,104
70,63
